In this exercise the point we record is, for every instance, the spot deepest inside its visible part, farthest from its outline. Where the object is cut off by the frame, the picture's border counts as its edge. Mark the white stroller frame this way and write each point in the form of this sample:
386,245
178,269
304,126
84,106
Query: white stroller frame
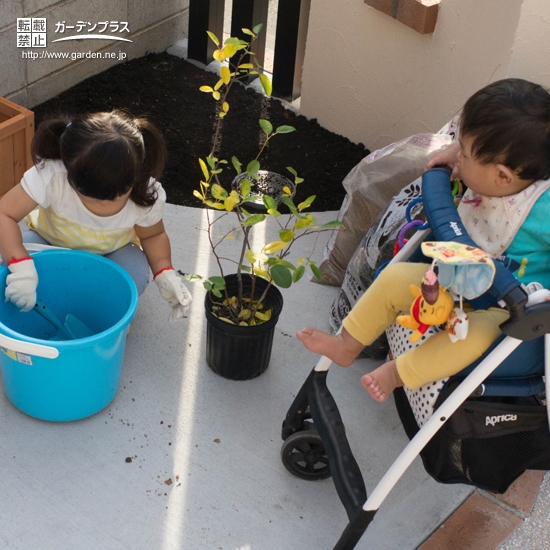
315,400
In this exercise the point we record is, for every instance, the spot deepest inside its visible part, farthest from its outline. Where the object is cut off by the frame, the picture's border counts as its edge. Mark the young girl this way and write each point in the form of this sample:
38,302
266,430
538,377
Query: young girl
503,156
95,185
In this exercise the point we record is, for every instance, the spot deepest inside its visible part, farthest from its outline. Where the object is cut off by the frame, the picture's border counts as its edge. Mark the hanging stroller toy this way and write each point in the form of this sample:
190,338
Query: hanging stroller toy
465,271
432,305
456,443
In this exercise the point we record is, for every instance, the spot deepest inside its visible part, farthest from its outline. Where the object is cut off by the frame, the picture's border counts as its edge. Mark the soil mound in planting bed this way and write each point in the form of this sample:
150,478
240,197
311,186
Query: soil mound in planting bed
165,88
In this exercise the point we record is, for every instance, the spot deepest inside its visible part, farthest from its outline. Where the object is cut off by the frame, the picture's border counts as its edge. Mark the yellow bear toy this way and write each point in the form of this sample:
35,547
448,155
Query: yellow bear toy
432,306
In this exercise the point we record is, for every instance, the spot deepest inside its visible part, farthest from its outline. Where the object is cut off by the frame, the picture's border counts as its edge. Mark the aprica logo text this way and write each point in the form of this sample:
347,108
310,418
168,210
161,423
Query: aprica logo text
455,228
492,420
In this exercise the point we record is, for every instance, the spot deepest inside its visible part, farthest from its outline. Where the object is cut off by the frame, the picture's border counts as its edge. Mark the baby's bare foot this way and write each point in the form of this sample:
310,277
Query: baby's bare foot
381,382
332,346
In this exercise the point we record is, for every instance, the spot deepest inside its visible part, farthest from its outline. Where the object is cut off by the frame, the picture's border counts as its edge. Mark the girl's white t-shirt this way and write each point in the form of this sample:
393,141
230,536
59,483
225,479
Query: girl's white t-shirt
62,219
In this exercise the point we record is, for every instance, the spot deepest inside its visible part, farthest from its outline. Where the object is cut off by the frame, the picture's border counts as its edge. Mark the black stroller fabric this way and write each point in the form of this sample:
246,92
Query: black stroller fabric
488,442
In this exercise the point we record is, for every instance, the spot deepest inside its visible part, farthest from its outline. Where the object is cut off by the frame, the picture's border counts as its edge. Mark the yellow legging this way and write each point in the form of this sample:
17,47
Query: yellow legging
437,357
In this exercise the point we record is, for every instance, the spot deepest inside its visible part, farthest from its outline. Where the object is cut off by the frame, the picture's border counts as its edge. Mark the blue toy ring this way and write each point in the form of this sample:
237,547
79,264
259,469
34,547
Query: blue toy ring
410,206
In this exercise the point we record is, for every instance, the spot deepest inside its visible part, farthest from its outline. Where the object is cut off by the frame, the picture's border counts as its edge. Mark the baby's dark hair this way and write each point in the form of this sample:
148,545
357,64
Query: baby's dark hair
106,154
509,123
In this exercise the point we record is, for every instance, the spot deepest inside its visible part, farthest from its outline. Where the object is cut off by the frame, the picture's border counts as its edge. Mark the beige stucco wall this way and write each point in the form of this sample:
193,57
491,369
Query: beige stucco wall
374,80
530,56
153,27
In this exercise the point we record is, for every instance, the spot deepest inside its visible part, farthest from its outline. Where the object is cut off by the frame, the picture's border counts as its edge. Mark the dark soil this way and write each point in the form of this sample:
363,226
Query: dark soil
166,89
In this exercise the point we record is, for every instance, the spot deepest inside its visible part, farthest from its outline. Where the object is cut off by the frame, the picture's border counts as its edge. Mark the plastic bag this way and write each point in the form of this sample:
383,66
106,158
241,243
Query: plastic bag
370,186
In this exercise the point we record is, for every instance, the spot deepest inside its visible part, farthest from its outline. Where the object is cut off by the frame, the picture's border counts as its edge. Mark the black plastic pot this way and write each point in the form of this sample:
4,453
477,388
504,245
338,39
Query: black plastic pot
267,183
241,353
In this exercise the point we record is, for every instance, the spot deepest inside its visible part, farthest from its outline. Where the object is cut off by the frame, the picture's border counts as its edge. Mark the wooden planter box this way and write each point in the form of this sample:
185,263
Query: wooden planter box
16,132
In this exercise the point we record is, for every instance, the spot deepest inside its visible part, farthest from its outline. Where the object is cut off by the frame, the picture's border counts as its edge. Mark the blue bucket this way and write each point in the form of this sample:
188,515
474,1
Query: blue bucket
61,380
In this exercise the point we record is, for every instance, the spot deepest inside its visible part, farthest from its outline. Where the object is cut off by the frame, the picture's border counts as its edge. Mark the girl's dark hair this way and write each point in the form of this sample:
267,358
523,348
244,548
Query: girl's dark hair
509,123
106,154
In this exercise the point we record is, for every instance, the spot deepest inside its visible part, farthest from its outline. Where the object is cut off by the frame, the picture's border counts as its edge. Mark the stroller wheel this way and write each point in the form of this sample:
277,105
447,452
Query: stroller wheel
304,455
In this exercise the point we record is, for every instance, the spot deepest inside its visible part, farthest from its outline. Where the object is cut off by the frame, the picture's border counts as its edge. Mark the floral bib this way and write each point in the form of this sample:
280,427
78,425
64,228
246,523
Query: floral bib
493,222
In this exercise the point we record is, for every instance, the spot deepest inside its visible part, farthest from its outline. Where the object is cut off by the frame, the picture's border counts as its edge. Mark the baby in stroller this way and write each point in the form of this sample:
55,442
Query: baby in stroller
503,157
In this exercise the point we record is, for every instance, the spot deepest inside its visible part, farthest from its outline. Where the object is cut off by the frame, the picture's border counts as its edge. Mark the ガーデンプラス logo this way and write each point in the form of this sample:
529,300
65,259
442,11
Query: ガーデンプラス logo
32,31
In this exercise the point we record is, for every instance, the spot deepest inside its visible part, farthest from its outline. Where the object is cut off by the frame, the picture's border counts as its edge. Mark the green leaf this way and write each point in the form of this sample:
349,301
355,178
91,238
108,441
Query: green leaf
266,84
278,261
254,219
297,179
266,126
286,235
213,37
234,41
236,164
218,192
217,292
252,169
298,273
307,203
246,187
281,276
285,129
248,31
217,280
315,270
257,28
332,224
193,277
291,206
270,202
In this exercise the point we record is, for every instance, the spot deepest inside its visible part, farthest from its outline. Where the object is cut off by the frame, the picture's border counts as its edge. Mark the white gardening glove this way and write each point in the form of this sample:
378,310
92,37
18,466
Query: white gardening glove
173,290
21,283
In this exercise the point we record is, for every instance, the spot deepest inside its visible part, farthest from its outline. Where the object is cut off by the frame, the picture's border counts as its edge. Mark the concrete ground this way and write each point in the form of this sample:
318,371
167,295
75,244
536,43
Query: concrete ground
205,470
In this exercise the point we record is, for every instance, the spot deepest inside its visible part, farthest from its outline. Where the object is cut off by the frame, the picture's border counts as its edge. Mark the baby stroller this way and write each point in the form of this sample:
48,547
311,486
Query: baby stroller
489,423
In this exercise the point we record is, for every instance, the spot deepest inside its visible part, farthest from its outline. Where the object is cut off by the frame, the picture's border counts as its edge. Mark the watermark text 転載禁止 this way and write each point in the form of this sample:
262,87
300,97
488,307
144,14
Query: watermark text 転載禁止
32,31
